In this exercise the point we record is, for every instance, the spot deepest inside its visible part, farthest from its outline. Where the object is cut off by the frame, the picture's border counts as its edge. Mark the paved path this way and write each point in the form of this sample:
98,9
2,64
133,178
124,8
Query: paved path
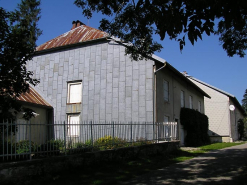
226,166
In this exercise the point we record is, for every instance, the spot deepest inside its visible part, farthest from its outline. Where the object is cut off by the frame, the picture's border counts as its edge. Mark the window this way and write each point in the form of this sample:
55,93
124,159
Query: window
199,106
74,92
191,102
166,90
182,99
73,125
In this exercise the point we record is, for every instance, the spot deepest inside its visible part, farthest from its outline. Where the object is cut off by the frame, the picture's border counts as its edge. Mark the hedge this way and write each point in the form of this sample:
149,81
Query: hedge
196,125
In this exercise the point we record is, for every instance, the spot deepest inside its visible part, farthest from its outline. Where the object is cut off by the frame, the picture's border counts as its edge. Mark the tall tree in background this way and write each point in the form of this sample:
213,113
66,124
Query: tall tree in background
244,101
18,36
136,21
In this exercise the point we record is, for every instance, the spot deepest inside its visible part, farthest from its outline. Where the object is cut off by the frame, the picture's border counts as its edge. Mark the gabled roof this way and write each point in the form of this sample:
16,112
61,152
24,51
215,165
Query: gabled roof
77,35
232,97
167,65
33,97
80,34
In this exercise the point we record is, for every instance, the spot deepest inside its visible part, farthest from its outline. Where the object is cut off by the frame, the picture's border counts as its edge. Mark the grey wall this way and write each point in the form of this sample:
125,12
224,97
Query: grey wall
114,88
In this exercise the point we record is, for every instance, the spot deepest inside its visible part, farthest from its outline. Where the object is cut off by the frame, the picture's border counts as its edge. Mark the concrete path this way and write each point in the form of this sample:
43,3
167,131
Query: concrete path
226,166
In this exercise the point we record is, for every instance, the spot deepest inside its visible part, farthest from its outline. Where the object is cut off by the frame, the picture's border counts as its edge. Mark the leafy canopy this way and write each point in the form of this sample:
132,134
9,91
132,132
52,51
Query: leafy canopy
18,37
136,21
244,101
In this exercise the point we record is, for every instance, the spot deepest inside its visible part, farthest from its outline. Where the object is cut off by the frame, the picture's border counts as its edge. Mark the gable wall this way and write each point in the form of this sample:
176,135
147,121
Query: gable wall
217,110
114,88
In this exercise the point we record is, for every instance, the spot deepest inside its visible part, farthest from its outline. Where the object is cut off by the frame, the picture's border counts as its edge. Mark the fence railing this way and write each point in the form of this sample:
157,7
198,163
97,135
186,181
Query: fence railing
20,141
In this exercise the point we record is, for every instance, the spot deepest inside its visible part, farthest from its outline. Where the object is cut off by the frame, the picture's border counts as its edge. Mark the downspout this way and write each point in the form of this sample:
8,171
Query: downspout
154,93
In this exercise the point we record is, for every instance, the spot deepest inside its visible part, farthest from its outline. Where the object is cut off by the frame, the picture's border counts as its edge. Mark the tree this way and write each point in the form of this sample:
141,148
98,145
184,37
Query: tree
18,36
135,22
244,101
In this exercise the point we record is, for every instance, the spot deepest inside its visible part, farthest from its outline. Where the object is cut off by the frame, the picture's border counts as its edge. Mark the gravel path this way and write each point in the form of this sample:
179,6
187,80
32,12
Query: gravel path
225,166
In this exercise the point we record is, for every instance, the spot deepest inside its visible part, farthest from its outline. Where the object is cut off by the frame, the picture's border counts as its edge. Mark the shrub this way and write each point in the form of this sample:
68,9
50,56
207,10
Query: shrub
108,142
53,145
196,125
23,146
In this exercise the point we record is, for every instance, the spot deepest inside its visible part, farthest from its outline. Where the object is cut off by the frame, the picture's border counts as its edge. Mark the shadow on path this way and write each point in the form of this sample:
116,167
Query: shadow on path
226,166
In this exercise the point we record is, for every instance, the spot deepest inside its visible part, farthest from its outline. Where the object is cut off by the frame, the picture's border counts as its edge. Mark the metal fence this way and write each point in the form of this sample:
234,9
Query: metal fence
20,141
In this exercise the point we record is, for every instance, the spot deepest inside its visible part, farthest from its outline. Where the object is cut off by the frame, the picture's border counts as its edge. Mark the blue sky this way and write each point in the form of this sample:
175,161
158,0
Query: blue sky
206,60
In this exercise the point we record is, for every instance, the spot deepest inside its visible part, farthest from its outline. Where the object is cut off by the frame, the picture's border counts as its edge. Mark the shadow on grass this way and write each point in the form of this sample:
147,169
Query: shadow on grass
115,172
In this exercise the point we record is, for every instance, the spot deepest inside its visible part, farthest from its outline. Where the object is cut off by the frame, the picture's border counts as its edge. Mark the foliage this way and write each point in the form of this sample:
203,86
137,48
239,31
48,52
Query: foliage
241,129
24,146
244,101
196,125
18,37
137,21
53,145
109,142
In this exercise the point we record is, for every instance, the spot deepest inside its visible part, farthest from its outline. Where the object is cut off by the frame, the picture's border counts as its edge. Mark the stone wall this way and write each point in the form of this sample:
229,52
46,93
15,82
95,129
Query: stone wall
22,172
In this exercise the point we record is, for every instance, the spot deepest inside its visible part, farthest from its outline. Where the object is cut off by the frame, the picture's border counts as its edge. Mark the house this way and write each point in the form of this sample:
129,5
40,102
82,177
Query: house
223,111
87,76
34,128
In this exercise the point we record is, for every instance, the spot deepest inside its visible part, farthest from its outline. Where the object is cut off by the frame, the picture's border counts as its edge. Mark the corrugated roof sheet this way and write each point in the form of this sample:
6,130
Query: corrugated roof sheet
79,34
34,97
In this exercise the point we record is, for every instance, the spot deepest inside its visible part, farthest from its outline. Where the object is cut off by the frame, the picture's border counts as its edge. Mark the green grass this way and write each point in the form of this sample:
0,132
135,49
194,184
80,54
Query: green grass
115,172
217,146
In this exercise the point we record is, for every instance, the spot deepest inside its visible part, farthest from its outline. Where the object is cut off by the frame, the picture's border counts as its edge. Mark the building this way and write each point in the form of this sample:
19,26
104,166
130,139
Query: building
85,75
223,111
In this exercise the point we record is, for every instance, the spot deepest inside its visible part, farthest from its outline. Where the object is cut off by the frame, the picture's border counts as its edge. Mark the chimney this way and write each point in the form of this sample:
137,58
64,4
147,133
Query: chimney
76,24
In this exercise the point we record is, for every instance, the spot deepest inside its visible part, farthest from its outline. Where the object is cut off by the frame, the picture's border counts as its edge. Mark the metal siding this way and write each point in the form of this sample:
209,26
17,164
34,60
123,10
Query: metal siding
80,34
33,97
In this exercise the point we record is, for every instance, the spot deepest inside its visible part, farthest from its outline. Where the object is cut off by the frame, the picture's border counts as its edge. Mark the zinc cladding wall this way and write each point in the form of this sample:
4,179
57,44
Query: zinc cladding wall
114,88
217,110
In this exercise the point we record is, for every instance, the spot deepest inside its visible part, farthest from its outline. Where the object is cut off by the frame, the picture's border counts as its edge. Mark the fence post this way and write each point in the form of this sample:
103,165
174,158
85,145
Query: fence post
131,132
7,140
64,126
113,134
30,147
91,125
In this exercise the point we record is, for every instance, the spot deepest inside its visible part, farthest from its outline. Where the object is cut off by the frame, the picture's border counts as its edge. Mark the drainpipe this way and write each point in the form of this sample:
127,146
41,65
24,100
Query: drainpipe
154,93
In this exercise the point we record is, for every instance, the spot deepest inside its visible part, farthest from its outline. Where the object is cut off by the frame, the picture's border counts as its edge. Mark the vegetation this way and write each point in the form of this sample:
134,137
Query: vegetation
244,101
241,130
244,105
137,22
18,36
196,125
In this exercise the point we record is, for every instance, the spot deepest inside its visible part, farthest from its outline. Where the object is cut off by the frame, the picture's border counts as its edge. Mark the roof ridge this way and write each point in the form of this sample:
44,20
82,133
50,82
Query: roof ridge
76,35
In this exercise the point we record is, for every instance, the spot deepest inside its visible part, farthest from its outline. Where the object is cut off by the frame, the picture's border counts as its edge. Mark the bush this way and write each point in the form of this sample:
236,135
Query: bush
52,145
108,142
23,146
196,125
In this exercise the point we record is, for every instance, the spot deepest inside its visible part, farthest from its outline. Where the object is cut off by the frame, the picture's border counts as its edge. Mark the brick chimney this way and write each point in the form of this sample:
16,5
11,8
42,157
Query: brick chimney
76,24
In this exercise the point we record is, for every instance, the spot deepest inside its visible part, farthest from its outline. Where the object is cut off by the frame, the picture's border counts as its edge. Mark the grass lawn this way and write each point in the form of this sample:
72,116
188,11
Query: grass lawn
112,173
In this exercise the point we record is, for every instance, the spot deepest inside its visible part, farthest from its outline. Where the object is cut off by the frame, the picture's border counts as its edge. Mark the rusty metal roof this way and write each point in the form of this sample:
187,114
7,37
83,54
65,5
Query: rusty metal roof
33,97
77,35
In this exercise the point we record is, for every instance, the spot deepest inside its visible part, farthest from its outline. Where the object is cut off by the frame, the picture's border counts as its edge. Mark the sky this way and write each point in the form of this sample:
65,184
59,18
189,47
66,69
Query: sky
206,60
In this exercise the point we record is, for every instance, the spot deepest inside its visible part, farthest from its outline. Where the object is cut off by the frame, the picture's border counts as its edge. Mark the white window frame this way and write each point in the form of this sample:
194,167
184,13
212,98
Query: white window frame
73,129
182,96
191,102
166,90
78,94
199,106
